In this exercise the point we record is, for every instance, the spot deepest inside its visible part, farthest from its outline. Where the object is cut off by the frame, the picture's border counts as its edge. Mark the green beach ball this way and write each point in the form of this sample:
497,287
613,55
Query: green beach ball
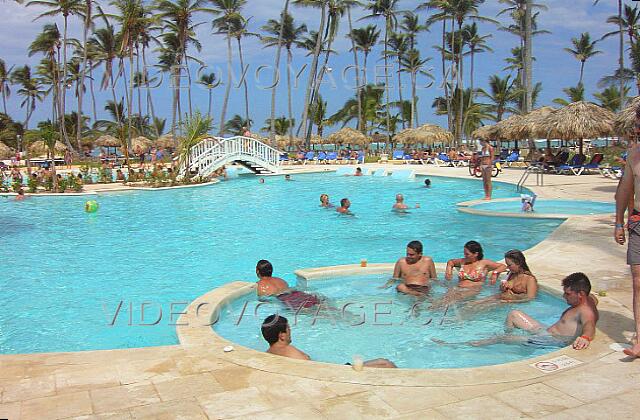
91,206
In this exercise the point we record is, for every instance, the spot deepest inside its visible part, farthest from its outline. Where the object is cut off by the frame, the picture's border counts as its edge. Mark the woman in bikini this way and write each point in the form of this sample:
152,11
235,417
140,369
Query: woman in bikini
486,165
519,286
324,201
473,271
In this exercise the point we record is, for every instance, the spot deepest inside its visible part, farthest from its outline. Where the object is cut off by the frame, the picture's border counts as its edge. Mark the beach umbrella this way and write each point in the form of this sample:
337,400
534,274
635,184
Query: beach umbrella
167,142
39,148
108,141
140,143
5,151
486,132
283,142
426,134
625,120
509,128
578,121
349,136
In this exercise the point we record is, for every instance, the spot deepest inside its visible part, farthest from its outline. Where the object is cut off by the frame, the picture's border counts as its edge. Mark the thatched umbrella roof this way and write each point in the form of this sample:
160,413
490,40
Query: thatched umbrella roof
425,134
624,123
510,128
108,141
167,141
5,151
578,120
283,141
533,122
87,141
486,132
140,143
347,135
40,148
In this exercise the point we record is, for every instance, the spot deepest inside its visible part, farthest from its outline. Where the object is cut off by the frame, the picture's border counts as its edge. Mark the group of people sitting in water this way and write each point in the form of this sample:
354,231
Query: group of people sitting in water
416,273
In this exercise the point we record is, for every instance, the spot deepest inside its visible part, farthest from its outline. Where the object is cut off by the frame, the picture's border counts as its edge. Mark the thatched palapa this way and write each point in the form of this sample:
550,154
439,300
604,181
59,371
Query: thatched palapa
349,136
486,132
141,143
5,151
108,141
533,122
427,134
625,120
283,142
509,129
39,148
167,142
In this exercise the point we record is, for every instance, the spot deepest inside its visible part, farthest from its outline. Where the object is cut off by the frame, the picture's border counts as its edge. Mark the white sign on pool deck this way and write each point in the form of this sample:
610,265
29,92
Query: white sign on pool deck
555,364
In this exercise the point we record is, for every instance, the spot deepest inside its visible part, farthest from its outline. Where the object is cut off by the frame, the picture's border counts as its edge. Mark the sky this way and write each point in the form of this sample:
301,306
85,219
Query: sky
554,67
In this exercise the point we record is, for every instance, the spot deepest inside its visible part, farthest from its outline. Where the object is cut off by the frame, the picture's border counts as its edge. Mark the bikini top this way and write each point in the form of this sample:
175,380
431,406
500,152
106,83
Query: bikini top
473,275
485,153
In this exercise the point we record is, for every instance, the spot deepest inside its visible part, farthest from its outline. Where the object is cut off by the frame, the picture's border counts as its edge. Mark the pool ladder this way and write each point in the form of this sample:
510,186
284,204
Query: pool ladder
538,170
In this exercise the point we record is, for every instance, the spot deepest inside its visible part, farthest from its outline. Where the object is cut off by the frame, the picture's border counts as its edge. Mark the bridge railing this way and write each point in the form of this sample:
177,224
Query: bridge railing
211,153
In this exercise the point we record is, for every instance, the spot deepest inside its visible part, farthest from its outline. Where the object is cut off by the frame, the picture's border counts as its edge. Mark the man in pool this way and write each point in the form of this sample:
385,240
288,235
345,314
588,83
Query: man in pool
275,286
277,332
400,205
415,270
577,324
344,207
358,172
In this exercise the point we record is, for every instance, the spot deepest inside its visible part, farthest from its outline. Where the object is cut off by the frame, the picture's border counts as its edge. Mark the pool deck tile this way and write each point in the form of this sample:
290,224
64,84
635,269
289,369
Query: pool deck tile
235,403
291,412
407,399
537,400
187,386
122,397
355,406
480,408
27,388
11,410
58,406
185,409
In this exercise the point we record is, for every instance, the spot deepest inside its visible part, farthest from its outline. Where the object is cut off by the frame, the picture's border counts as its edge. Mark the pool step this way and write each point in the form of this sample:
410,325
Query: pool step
254,167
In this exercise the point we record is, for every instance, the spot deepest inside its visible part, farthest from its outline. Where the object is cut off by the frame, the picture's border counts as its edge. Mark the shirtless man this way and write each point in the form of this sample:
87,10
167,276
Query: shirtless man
400,205
267,284
577,324
415,271
277,332
344,206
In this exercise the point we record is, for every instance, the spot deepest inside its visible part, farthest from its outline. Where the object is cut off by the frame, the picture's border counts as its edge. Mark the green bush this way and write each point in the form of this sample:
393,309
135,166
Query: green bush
62,185
16,185
74,184
32,185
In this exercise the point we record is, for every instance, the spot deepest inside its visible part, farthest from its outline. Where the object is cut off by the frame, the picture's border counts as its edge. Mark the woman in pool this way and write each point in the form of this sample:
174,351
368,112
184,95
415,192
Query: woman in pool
473,271
324,201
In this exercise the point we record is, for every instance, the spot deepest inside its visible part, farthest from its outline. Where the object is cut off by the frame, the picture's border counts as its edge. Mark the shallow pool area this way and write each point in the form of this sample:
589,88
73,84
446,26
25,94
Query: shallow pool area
545,206
358,318
118,278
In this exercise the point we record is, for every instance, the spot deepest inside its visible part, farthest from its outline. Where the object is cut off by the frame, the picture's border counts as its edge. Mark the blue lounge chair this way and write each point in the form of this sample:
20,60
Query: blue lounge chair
576,162
360,158
332,157
513,157
322,157
284,158
593,164
309,156
398,155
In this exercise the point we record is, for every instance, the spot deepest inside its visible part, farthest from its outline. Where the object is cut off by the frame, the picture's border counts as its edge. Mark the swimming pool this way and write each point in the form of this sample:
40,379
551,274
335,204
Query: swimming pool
544,206
358,318
68,275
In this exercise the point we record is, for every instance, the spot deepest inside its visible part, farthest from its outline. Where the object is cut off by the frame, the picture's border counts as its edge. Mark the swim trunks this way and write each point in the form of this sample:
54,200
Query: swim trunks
633,251
545,340
420,288
296,299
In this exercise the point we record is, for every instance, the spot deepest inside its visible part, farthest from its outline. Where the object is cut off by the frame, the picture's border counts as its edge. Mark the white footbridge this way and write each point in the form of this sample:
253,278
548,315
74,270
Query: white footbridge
212,153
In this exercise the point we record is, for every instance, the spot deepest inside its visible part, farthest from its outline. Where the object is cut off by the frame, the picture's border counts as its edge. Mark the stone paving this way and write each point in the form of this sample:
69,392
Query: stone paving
198,381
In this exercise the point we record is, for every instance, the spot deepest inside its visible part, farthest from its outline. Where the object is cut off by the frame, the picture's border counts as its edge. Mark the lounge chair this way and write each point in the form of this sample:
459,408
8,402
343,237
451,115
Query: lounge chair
322,157
309,156
513,157
398,155
573,166
284,158
360,158
332,157
593,164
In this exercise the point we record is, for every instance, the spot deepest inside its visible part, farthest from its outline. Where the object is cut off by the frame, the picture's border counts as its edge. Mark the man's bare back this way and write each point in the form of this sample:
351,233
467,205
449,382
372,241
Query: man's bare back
287,350
271,286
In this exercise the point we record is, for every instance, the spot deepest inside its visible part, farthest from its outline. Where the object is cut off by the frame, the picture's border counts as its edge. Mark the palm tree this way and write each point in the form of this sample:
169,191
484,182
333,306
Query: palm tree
319,42
30,90
105,42
399,45
65,8
4,83
477,44
318,112
473,113
575,94
583,49
411,27
502,92
610,98
365,39
237,125
371,108
621,68
169,62
386,9
240,30
230,12
414,65
348,7
284,33
195,128
276,71
282,125
210,82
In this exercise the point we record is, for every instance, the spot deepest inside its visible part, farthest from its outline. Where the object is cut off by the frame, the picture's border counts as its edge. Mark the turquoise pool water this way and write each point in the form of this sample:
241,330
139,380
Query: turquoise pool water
381,323
67,275
543,206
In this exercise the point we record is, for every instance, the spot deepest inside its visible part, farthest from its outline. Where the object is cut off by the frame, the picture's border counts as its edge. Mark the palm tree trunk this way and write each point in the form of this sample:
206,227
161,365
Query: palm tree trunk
289,102
312,74
386,79
93,93
4,98
400,93
150,110
621,57
276,77
210,100
355,62
87,22
413,100
316,88
528,71
130,99
186,64
581,72
174,102
54,177
139,86
244,83
63,82
227,90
